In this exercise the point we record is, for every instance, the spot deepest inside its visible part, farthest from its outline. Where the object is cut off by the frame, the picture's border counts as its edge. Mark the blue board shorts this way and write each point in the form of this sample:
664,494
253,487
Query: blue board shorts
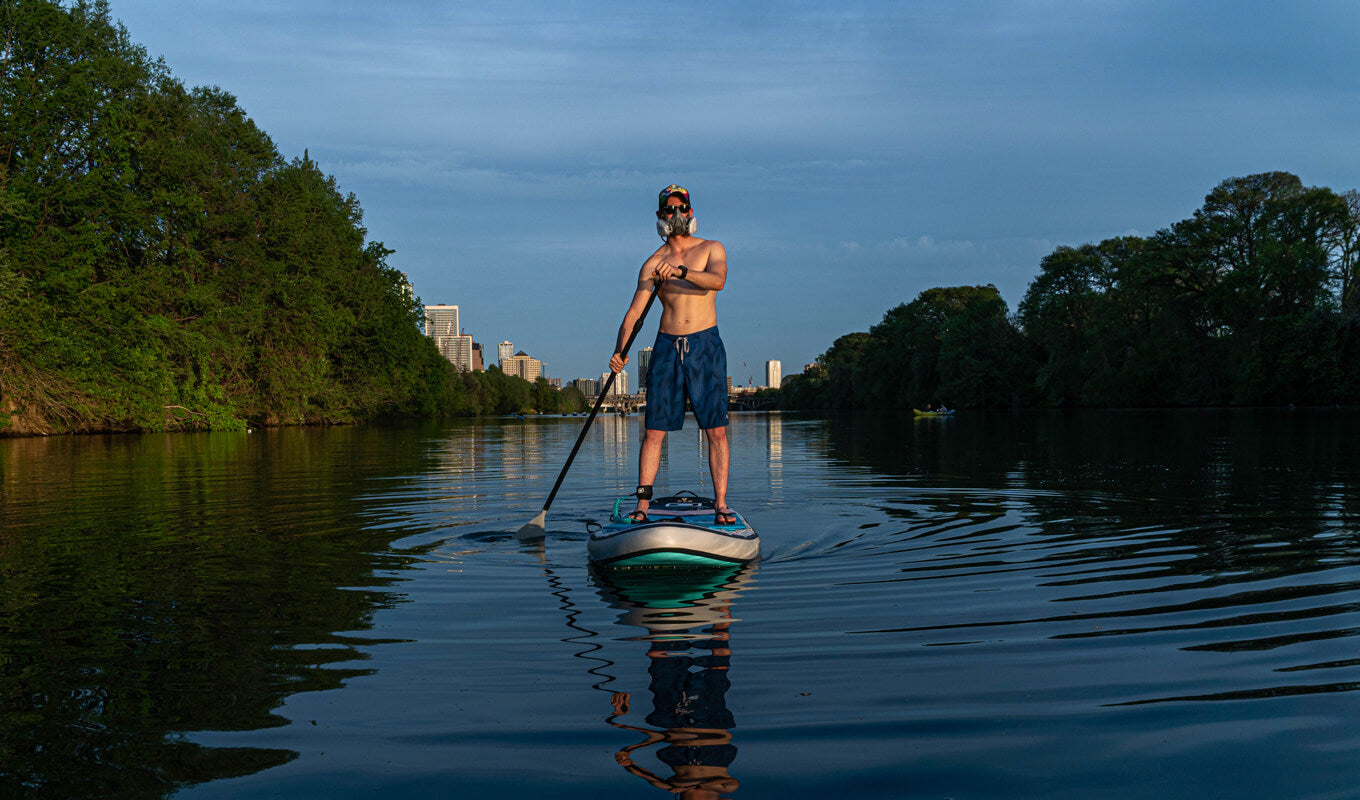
693,366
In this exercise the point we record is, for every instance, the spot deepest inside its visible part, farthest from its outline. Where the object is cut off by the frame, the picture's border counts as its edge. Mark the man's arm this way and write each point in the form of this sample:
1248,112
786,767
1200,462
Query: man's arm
712,278
630,318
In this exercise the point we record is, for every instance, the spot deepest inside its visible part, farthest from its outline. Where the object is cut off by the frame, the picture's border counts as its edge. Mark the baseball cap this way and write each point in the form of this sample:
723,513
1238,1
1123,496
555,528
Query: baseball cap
672,191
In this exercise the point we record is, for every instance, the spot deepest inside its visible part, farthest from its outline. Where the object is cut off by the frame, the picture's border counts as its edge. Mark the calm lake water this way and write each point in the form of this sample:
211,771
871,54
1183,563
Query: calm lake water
1048,605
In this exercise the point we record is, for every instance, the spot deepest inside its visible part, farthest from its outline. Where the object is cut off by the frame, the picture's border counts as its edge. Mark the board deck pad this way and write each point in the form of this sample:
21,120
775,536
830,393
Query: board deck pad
679,532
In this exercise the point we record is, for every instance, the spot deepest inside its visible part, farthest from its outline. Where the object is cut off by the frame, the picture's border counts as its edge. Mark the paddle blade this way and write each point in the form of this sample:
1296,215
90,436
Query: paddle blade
536,528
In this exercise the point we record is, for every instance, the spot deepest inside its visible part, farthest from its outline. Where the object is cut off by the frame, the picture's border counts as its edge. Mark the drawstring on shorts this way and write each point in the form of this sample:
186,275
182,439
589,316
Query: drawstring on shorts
681,347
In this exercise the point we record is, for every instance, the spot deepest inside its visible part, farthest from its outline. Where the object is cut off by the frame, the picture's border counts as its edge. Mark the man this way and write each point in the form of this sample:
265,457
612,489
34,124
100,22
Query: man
688,358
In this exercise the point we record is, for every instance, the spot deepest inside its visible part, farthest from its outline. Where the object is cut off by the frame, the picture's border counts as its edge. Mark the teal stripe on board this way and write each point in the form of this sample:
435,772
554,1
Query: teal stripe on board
669,560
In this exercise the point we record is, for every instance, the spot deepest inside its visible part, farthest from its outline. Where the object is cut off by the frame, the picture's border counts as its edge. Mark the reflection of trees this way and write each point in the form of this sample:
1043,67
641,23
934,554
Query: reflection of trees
1215,483
687,616
158,585
1218,531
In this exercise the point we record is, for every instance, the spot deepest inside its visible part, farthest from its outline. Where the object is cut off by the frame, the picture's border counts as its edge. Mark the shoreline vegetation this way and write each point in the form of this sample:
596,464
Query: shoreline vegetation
164,267
1252,301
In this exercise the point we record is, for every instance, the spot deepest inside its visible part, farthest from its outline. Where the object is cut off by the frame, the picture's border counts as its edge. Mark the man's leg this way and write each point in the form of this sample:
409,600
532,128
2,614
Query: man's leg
649,461
717,465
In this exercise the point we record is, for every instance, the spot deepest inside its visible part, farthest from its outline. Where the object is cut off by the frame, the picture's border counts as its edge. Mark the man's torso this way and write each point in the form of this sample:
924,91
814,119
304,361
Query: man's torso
685,307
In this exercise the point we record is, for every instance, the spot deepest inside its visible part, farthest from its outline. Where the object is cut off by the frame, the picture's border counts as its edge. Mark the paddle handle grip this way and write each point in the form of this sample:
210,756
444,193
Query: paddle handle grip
599,401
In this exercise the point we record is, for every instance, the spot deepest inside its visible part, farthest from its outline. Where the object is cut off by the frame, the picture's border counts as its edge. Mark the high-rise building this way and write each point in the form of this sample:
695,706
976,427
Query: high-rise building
586,387
504,350
773,374
523,365
620,382
644,365
478,365
441,320
458,350
441,324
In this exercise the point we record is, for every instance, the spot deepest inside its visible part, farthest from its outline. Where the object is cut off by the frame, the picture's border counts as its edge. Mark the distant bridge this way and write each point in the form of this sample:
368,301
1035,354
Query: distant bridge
749,402
631,403
620,402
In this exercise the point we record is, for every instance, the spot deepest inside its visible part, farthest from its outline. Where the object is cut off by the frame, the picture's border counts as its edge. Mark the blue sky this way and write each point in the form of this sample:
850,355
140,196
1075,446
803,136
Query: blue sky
849,155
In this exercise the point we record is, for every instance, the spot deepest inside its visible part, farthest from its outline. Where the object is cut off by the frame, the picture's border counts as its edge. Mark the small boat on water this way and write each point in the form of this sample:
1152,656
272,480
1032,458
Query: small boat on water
947,412
680,531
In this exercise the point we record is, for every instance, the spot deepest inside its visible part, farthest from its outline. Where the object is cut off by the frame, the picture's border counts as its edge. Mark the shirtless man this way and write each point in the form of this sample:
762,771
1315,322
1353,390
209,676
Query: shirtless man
688,358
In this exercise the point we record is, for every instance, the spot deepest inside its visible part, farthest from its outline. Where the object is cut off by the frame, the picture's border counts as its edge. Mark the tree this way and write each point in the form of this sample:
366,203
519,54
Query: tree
1346,261
837,388
162,267
1065,308
953,345
572,401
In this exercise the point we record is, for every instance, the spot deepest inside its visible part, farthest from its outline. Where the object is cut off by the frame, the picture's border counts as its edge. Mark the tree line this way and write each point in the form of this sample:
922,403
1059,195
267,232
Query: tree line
1253,300
164,267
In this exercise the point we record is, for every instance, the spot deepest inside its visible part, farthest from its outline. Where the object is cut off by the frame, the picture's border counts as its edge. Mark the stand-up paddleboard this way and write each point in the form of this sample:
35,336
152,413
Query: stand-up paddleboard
680,531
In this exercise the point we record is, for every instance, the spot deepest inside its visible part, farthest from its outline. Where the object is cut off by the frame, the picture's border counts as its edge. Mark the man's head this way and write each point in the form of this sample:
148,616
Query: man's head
674,215
672,191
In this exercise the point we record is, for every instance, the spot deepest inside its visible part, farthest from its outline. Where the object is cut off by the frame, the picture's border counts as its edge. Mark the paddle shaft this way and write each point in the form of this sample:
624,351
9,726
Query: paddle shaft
599,401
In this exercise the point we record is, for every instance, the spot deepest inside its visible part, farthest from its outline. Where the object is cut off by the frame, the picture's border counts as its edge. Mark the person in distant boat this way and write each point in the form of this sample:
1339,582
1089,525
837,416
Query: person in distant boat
688,358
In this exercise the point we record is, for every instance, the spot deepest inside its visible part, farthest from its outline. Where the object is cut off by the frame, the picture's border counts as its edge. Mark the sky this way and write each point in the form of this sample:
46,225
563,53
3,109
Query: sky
849,155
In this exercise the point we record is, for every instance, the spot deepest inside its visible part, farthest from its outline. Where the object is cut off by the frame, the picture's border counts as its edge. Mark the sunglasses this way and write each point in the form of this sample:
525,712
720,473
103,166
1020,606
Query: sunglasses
669,211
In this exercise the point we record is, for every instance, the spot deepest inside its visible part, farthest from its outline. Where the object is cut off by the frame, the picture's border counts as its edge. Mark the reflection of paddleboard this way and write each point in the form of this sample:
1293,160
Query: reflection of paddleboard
673,601
680,531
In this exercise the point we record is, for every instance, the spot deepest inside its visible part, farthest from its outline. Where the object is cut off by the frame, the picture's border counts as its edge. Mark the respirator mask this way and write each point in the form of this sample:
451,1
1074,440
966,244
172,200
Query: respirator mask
676,224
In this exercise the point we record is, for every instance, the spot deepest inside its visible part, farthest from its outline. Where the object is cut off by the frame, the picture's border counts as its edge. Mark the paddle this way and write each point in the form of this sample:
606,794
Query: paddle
537,527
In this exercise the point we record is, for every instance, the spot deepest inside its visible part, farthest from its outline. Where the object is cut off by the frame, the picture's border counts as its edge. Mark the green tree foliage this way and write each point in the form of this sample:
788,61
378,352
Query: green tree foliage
548,400
1254,300
829,383
1345,274
1067,314
571,401
163,267
954,345
1240,304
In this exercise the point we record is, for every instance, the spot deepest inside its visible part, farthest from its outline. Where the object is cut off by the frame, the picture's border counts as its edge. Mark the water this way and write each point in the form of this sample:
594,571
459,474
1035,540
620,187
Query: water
1112,604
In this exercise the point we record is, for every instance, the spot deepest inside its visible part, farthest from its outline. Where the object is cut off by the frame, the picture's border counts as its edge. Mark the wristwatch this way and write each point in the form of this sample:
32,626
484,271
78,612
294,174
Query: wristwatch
684,270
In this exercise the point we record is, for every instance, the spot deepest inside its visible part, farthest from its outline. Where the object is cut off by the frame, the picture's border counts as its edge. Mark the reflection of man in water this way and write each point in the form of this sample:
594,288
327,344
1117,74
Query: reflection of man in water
689,705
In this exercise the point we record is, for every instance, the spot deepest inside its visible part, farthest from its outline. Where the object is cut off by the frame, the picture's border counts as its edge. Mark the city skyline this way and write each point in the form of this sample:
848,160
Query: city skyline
443,318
